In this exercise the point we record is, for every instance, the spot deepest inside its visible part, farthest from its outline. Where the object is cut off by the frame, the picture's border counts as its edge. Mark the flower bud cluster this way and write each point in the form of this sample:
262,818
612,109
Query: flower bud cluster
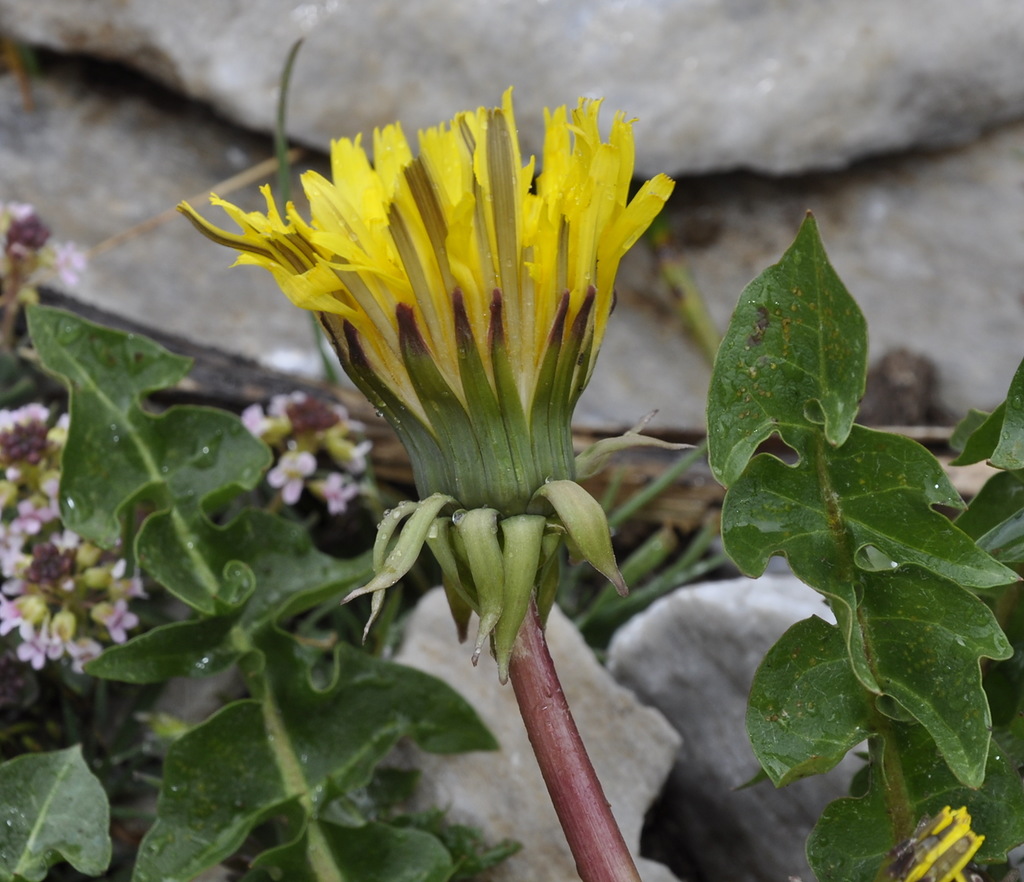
26,250
304,431
61,597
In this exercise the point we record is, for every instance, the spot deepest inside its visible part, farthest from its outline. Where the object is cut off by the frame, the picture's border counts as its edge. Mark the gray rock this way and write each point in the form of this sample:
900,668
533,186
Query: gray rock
631,746
692,655
928,244
718,85
102,153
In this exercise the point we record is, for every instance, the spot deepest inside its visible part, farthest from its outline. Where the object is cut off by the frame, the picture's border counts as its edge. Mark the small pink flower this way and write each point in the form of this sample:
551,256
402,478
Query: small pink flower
290,473
51,487
255,420
279,404
11,544
338,491
15,587
357,459
70,261
31,517
118,620
130,587
23,416
32,653
33,412
38,645
17,210
81,651
10,616
66,540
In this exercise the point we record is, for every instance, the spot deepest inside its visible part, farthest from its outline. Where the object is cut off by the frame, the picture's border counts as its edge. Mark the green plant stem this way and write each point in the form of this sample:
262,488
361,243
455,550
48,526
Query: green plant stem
887,762
9,288
594,837
691,303
1006,605
318,852
638,500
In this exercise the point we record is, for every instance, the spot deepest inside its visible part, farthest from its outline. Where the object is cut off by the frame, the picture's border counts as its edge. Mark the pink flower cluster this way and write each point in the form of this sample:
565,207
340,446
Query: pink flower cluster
304,430
26,248
60,596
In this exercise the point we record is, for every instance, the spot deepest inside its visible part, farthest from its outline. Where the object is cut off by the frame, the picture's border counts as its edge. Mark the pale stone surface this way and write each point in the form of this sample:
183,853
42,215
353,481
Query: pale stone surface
101,153
718,84
632,748
929,244
692,655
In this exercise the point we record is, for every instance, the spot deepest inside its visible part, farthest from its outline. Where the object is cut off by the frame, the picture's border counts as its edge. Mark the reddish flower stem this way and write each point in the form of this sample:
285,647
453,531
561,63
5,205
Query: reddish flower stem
594,837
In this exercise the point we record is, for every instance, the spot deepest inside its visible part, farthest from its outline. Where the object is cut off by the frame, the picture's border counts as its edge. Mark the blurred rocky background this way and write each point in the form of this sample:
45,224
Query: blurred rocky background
898,125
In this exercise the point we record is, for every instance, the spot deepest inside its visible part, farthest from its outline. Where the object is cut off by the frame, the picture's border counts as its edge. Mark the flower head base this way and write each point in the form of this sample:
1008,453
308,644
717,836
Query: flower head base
492,564
468,304
939,851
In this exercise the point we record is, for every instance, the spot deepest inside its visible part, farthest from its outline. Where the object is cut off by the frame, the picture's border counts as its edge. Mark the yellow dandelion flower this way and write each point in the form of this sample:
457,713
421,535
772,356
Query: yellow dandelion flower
468,302
446,282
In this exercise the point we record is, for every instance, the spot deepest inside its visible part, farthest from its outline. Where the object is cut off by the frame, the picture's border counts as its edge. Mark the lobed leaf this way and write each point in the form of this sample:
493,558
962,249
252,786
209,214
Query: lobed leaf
854,512
195,648
220,780
806,708
977,435
289,575
998,436
118,456
1009,452
927,636
851,840
292,751
368,853
51,808
874,492
854,523
794,357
